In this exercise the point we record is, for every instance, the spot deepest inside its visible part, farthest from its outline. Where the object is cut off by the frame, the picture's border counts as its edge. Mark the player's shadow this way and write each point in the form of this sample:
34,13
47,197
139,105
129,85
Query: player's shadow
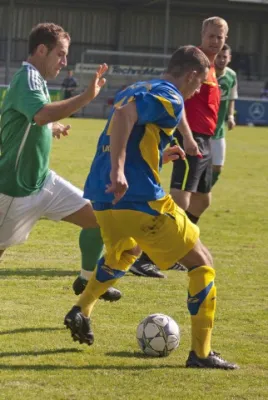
126,354
38,353
93,367
26,330
140,355
36,272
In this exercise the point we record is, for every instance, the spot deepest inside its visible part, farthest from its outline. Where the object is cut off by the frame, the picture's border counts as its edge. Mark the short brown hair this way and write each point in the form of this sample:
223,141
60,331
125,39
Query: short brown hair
226,47
48,34
218,21
187,58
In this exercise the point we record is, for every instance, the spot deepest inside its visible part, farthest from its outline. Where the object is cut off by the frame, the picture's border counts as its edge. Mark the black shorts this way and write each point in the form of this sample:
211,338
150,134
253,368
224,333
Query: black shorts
193,174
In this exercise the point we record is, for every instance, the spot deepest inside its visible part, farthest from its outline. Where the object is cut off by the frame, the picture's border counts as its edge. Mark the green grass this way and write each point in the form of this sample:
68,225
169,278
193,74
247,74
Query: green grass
38,360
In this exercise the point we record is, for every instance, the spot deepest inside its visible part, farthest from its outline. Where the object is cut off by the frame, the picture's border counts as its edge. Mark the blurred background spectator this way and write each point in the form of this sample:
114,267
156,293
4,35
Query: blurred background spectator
69,85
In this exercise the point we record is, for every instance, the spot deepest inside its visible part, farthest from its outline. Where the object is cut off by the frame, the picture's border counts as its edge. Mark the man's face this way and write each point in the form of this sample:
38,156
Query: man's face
222,59
213,39
194,82
56,59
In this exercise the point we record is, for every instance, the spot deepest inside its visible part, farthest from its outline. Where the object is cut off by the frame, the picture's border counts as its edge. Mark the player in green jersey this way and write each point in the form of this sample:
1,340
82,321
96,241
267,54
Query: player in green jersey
228,85
28,188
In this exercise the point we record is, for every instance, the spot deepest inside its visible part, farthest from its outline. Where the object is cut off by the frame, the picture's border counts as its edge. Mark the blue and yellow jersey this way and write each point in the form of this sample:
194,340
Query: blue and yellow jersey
159,106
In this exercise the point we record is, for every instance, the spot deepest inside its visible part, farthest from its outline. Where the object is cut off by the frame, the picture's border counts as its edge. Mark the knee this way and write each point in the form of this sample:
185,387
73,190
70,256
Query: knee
205,258
205,201
197,257
208,257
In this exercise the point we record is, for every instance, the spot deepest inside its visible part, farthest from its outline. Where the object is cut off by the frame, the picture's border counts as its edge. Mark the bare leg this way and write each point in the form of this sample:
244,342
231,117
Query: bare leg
199,203
181,198
199,255
84,217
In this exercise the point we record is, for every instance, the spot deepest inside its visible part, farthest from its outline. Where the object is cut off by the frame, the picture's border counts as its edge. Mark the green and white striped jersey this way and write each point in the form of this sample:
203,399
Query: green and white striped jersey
228,86
24,146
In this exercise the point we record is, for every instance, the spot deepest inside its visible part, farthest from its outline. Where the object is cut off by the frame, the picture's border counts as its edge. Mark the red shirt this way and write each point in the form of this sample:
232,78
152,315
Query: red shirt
202,109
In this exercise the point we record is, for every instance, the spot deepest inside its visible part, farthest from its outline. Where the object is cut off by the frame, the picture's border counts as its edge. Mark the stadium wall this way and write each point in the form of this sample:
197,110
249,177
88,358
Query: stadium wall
104,26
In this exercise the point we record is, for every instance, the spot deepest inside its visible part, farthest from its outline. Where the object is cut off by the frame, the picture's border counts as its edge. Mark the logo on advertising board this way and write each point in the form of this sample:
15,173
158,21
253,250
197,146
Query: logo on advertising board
126,70
135,70
256,111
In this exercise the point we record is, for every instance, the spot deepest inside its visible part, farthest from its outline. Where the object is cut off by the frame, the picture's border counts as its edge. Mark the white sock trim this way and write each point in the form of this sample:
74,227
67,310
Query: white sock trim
85,274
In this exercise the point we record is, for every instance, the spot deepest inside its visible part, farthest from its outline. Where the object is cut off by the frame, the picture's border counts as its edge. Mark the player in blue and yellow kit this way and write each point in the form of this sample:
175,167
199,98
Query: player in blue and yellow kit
133,210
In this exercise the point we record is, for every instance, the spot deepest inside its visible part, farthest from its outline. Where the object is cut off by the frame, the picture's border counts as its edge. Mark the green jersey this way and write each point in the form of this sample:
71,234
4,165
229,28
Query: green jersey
228,86
24,146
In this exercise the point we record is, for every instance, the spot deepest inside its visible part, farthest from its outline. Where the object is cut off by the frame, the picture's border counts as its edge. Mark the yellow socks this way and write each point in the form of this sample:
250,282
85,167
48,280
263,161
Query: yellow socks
101,279
92,292
202,306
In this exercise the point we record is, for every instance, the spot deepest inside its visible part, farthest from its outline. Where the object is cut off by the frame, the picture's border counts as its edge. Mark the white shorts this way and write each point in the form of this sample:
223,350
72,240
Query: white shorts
56,200
218,149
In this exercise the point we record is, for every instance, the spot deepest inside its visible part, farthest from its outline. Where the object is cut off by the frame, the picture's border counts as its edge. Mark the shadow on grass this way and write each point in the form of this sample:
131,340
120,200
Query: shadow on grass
39,272
25,330
39,353
127,354
101,367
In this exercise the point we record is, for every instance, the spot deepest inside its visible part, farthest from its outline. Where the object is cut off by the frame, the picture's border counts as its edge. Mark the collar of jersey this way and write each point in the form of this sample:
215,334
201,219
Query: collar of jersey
224,73
25,63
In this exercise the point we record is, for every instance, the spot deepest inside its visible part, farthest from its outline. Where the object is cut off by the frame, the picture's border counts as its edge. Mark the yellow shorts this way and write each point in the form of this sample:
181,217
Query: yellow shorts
166,237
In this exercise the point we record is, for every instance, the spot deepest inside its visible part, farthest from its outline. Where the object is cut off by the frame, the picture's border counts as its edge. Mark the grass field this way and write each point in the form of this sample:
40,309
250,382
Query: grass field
38,360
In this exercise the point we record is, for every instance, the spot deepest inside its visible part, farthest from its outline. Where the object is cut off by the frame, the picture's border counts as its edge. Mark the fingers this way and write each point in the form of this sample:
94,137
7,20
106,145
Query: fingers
174,157
117,197
180,151
102,82
97,81
61,130
194,151
173,153
109,189
231,125
103,69
198,153
118,192
65,130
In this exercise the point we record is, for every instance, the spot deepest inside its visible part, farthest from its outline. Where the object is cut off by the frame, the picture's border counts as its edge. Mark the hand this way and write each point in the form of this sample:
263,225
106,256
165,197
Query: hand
231,122
118,185
59,129
97,82
173,153
191,147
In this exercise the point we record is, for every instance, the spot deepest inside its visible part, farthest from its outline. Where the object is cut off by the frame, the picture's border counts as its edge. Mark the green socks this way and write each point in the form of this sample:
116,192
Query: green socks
91,246
215,177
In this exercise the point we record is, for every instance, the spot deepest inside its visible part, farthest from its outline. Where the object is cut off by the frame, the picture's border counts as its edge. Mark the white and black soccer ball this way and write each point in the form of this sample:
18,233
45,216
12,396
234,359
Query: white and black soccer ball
158,335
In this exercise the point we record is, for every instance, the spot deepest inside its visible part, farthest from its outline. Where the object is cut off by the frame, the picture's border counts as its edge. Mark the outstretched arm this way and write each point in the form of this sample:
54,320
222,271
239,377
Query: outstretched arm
62,109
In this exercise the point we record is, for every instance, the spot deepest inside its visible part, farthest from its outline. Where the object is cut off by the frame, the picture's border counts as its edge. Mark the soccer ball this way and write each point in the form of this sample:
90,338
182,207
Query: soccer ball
158,335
